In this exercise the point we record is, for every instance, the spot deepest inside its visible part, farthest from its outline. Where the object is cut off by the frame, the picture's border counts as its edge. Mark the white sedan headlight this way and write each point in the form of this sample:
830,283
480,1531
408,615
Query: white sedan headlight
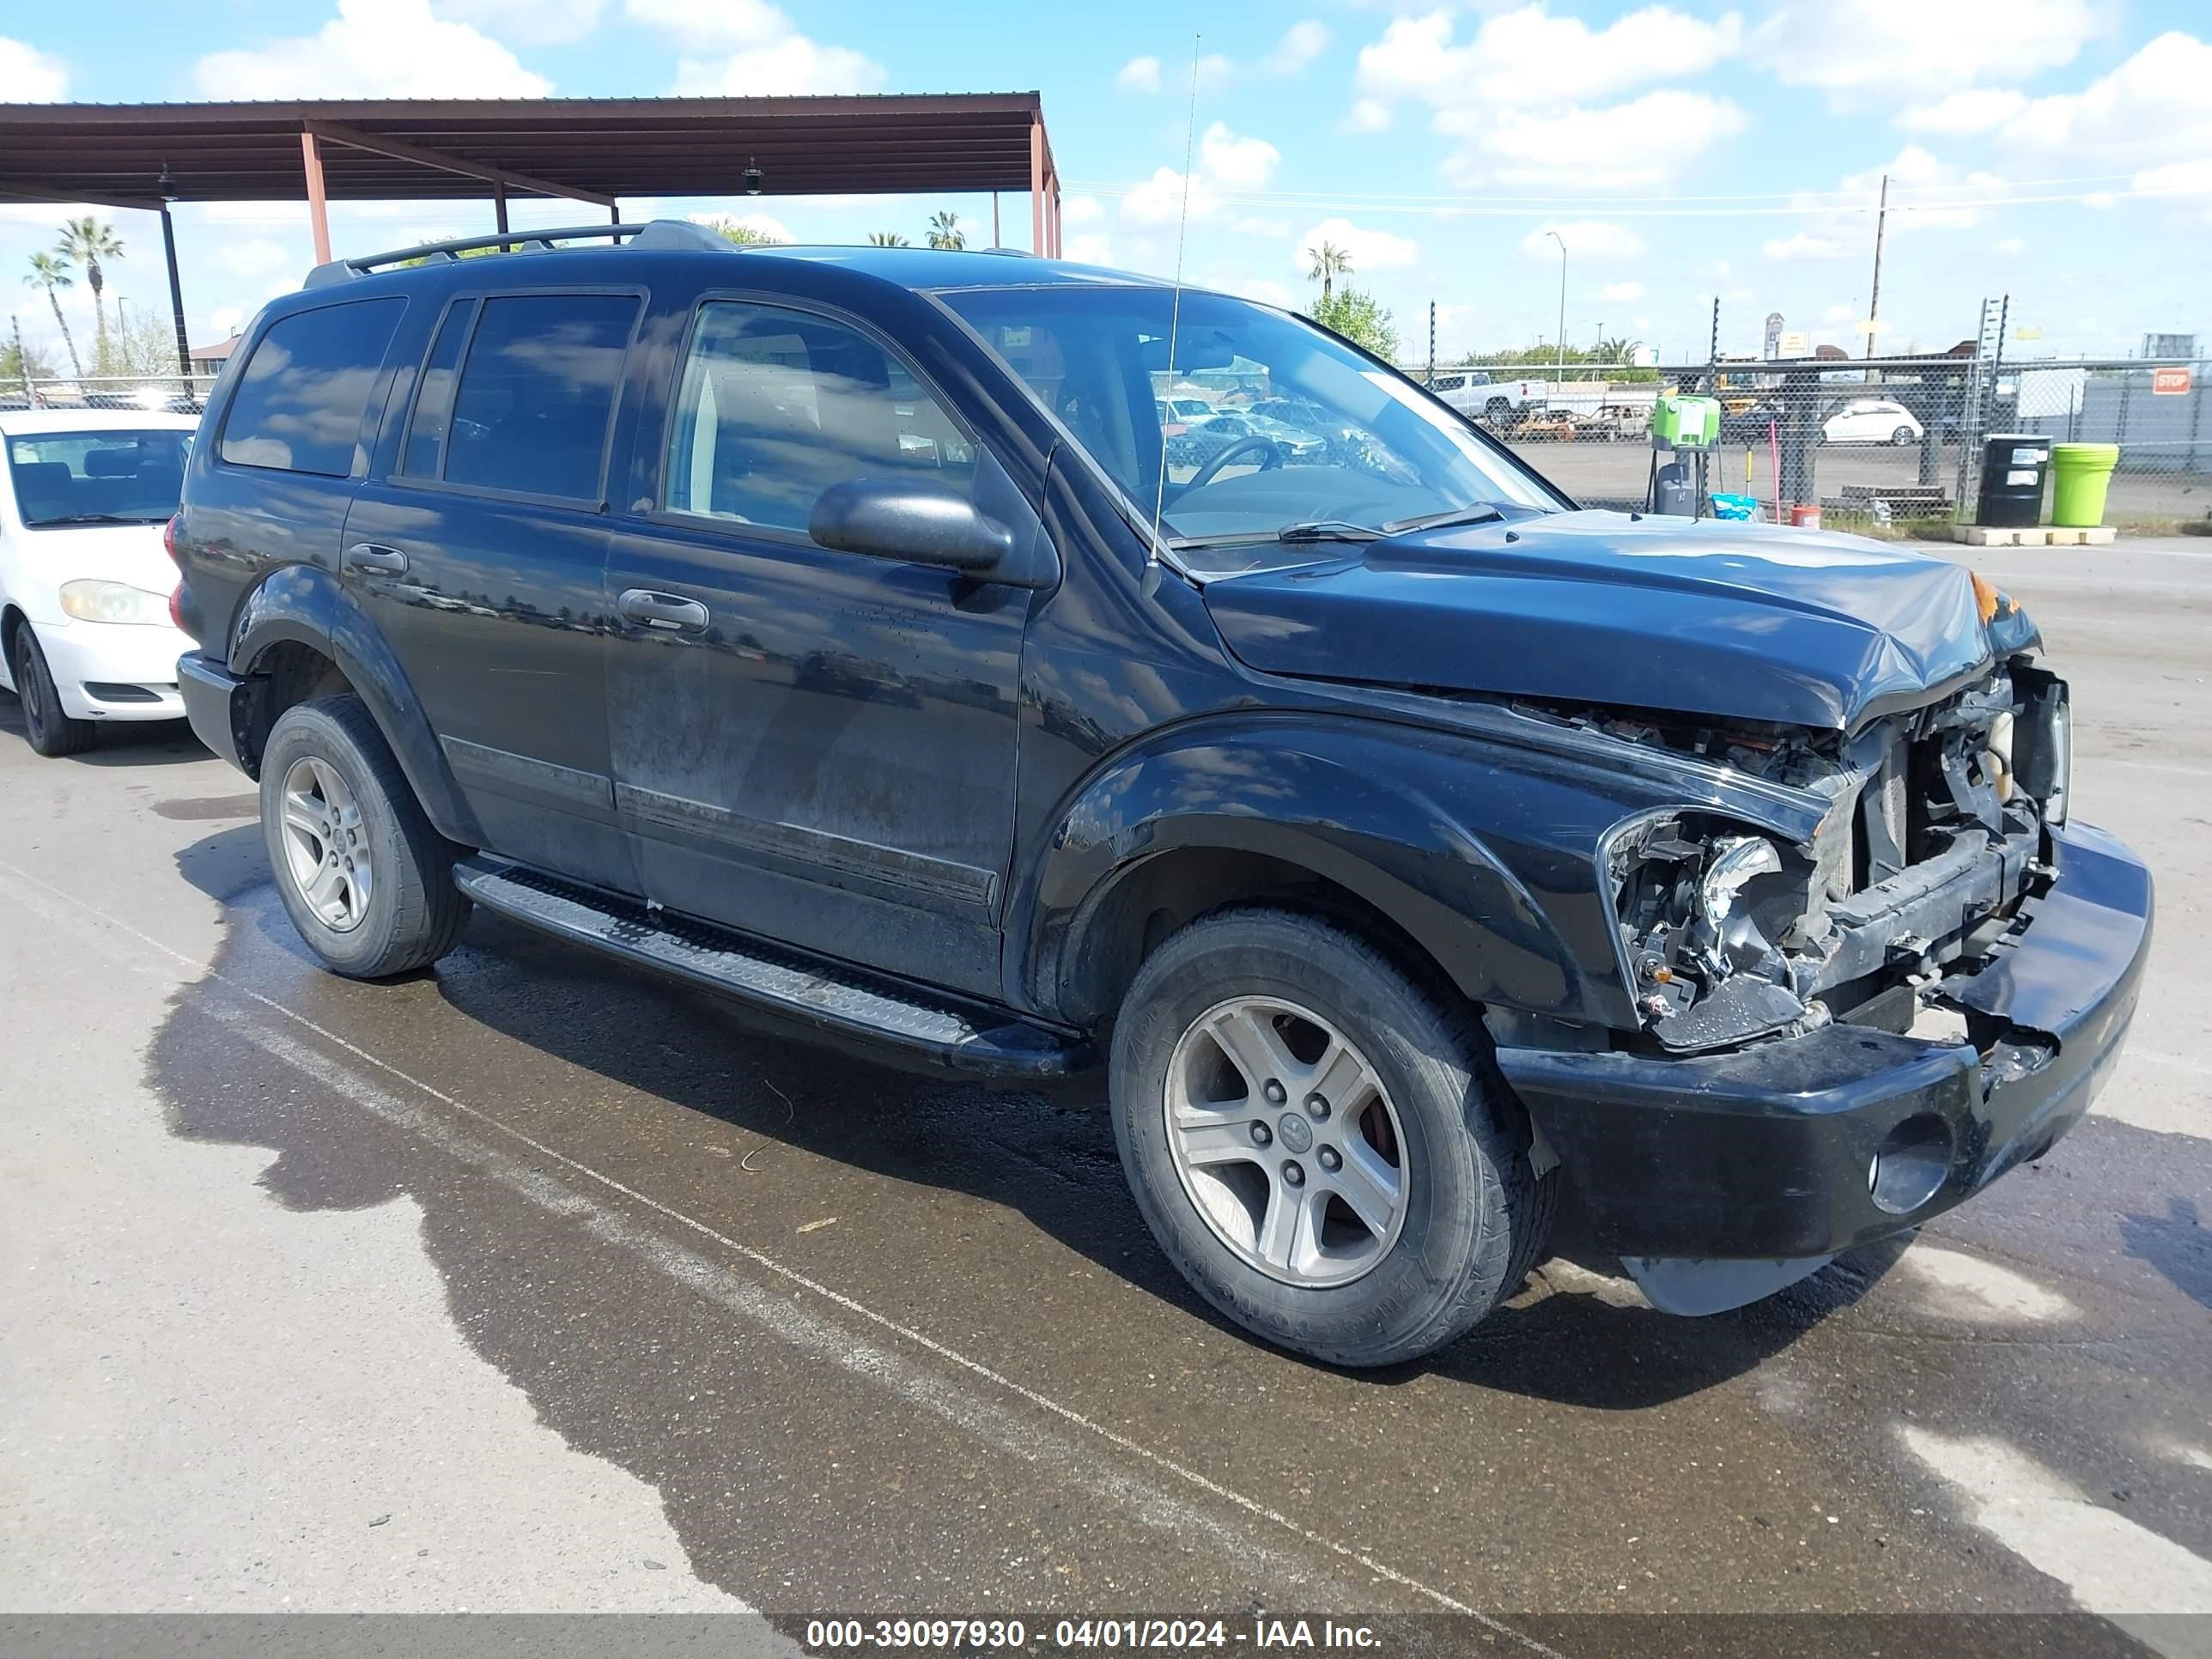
115,601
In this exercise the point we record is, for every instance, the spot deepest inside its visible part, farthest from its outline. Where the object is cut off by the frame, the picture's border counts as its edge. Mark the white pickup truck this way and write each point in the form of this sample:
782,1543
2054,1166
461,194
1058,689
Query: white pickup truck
1506,402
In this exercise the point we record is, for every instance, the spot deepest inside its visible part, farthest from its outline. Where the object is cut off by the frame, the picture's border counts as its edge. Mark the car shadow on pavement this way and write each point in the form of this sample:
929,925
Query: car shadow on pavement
2178,1244
1578,1335
134,743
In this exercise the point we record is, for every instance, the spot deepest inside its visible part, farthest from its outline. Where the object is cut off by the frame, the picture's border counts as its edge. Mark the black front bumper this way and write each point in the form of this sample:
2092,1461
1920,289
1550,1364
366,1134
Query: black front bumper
210,694
1770,1152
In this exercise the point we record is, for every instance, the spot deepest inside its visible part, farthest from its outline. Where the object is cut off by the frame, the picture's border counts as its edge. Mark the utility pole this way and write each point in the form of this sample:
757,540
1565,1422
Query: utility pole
1432,343
1874,295
1562,241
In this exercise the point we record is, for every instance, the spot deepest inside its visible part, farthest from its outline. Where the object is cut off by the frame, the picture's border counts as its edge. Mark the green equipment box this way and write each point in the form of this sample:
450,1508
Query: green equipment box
1686,423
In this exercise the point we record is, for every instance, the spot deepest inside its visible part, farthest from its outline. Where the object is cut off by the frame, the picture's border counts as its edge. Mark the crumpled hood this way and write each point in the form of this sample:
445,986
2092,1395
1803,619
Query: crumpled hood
1755,622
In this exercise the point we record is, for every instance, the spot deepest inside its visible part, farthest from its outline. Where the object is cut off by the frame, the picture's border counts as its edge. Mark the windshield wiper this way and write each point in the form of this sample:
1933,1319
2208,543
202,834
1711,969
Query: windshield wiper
93,518
1450,515
1310,529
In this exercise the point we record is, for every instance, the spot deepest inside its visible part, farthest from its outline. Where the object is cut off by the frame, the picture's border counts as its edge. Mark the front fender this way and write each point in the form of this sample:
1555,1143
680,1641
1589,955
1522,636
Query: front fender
1484,856
304,603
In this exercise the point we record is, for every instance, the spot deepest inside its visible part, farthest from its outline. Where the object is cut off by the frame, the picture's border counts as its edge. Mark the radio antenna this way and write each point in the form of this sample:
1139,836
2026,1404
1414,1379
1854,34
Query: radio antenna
1174,309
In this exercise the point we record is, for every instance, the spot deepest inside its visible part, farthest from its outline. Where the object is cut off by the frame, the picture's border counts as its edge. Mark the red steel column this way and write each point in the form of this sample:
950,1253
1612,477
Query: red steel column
319,212
1036,187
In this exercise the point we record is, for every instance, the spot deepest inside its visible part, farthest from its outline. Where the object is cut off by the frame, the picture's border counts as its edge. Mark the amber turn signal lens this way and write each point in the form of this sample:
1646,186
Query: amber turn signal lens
1987,597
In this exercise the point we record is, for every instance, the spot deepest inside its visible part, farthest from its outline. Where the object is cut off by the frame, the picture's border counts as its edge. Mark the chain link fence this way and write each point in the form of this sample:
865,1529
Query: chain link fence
1873,443
176,394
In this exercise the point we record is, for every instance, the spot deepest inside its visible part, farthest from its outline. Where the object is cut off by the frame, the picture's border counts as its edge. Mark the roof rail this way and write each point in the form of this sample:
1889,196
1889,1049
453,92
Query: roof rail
663,233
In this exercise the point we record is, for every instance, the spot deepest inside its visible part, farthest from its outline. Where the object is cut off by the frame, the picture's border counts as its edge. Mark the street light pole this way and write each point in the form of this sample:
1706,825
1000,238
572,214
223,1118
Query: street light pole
1562,241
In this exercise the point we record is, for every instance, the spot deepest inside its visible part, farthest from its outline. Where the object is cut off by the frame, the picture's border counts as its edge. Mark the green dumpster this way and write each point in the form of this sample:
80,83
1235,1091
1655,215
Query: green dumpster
2080,473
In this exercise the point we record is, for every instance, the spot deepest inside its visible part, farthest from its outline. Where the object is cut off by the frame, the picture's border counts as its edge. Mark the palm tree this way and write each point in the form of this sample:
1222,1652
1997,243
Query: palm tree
1329,263
945,231
1617,350
85,242
48,272
886,239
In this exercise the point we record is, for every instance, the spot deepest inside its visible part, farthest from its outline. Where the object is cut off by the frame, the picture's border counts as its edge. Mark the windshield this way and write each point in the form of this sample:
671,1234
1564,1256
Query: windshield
113,477
1272,422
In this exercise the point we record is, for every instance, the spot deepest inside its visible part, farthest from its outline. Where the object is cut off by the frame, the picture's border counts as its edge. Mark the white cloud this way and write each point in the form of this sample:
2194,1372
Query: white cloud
32,77
1370,249
1839,314
1586,239
790,67
1301,44
373,49
1621,293
1368,115
1160,199
1521,56
2011,245
1139,75
1977,109
254,256
1262,288
537,23
2177,179
1922,189
225,320
766,56
1088,249
1214,72
1804,245
1642,142
2154,108
1081,210
1864,50
1236,163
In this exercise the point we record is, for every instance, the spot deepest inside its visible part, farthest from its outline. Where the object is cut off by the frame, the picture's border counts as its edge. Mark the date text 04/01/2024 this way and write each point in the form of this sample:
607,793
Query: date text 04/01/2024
831,1635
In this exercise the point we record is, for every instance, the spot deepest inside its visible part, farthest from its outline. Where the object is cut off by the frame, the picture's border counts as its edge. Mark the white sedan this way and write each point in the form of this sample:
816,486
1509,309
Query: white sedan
85,638
1871,421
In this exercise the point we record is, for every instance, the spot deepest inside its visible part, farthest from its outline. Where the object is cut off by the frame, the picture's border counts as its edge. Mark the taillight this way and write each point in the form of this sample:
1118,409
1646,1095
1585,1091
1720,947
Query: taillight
177,608
176,593
169,535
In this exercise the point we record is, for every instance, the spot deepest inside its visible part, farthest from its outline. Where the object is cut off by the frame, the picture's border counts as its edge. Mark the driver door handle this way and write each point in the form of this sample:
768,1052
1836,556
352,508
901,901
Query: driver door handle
373,555
671,612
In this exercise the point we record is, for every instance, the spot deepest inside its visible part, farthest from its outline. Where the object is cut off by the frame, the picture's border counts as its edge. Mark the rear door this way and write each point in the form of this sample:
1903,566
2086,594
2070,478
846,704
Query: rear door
480,552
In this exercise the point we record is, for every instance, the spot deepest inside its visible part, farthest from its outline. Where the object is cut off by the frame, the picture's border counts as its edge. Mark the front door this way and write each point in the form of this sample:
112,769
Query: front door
812,745
481,555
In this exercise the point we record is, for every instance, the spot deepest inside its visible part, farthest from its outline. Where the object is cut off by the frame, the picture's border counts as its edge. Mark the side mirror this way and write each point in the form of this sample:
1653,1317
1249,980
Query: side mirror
921,520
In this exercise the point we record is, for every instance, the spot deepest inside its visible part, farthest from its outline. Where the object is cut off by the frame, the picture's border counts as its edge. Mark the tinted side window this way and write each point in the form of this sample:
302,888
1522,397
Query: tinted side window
537,394
306,389
775,406
426,427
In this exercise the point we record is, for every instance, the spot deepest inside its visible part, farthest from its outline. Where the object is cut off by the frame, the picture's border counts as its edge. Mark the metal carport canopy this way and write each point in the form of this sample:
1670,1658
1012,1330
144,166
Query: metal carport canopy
590,149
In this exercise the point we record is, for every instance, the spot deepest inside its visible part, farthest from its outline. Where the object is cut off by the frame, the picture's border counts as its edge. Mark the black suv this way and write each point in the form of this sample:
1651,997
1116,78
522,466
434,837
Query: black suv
831,627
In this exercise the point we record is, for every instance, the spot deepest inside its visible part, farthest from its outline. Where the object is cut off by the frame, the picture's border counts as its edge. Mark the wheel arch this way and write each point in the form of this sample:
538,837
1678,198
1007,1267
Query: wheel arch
299,634
1327,814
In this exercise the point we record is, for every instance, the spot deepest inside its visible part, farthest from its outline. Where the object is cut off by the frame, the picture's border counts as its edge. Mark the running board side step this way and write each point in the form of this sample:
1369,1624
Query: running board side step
783,981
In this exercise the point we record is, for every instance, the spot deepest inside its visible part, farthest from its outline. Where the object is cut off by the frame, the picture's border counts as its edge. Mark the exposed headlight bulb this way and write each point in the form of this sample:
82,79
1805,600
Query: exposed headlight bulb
1736,859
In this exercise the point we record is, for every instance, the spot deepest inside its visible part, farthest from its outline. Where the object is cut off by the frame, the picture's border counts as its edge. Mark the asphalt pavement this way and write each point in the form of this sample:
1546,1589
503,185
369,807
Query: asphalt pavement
535,1284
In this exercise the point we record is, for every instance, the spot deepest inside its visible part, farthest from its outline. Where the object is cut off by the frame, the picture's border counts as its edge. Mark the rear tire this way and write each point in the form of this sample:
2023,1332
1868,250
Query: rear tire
51,732
365,879
1413,1211
1904,437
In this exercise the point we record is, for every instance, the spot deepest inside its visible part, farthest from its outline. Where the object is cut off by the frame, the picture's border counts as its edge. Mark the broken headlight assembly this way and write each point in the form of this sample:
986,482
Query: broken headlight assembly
1704,909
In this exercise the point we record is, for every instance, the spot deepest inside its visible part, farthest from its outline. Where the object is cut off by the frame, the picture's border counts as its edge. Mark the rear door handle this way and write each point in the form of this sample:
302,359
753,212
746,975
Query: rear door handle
669,611
371,556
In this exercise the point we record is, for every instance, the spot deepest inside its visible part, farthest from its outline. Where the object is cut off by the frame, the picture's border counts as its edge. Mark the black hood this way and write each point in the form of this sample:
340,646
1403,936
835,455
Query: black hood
1753,622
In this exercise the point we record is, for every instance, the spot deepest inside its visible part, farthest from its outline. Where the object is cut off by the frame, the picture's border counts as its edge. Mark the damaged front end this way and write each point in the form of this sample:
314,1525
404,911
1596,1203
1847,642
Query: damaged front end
1932,836
1842,1033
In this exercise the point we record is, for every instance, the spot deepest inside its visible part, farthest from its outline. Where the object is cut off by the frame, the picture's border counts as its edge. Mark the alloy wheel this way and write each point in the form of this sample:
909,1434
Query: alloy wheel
1286,1142
326,844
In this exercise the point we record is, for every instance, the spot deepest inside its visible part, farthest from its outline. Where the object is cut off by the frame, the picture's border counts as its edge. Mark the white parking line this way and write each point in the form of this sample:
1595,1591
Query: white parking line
1149,1501
1971,1287
2109,1563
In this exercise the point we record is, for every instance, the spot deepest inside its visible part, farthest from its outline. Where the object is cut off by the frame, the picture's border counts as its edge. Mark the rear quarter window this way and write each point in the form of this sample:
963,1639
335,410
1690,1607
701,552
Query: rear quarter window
304,393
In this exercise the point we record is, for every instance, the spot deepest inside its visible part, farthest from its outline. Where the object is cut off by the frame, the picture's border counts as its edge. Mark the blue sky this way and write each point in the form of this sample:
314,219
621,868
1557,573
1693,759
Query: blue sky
2060,150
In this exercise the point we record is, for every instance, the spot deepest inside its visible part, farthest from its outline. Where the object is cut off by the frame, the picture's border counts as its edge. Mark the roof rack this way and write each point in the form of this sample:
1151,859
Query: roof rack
662,234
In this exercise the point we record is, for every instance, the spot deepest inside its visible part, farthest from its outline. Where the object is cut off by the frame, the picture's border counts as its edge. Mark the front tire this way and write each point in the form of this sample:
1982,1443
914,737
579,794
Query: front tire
1319,1143
51,732
364,877
1904,437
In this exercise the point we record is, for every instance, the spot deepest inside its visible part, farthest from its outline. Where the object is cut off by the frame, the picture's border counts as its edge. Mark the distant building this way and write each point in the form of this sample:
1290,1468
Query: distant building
210,359
2169,345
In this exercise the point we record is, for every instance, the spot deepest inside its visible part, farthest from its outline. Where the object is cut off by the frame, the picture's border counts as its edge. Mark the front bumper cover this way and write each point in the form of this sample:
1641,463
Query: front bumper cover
1766,1153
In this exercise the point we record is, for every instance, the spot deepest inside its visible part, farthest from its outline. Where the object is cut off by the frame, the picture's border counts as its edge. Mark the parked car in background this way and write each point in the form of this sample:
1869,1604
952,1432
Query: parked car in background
1265,440
1752,424
86,636
1177,414
1872,421
1409,846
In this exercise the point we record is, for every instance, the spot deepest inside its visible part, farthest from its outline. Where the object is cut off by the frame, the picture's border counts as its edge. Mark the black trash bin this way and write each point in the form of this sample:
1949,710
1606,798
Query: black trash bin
2013,467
